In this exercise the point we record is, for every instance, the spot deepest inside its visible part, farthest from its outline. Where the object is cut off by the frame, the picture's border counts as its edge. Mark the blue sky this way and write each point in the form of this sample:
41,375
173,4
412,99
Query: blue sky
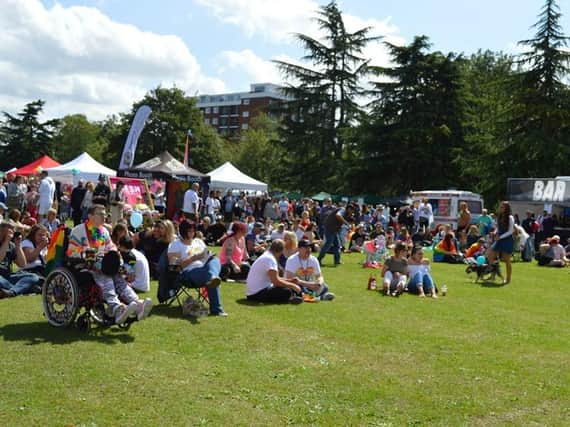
99,56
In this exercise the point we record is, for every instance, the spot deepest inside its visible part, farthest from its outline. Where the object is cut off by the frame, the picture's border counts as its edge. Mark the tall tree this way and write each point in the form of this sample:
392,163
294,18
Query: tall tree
74,135
23,137
173,113
415,123
323,100
536,139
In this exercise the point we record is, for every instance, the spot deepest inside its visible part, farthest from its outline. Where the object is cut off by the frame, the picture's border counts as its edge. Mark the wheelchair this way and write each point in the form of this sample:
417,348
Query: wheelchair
70,295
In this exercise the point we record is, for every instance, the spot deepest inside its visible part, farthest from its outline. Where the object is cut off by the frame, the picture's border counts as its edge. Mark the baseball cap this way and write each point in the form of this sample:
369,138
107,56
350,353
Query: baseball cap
304,243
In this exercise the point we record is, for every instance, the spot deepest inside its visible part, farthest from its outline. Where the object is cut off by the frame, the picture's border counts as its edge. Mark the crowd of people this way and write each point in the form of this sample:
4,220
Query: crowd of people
274,245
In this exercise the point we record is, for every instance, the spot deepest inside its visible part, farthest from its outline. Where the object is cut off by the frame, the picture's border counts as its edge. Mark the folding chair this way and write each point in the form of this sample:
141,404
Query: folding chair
192,299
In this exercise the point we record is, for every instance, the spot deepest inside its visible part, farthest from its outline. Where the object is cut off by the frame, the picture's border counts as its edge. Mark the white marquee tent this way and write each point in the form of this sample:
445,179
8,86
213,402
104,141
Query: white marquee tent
228,177
83,166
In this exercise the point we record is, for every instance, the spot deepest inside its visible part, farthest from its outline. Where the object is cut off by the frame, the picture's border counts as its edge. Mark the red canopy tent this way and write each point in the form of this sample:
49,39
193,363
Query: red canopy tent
43,162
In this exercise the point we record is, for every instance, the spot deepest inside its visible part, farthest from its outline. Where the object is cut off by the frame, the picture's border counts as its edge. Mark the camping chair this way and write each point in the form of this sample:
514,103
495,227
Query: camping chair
192,299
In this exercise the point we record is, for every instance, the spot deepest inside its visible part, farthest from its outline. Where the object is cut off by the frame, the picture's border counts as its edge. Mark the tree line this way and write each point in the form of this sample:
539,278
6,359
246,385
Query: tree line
431,120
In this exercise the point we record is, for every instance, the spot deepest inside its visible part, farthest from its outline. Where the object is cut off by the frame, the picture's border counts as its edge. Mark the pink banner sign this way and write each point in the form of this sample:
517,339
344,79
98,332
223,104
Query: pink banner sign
134,188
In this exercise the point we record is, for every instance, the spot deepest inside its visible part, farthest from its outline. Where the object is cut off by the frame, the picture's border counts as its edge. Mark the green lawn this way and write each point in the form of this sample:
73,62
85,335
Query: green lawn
482,355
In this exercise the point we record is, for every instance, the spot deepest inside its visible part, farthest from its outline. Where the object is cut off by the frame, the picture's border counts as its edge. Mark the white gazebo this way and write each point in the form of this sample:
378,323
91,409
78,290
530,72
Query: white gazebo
83,166
228,177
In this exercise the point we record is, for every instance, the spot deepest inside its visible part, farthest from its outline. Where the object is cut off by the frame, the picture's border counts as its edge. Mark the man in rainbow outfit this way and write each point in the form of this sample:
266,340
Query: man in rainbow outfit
92,235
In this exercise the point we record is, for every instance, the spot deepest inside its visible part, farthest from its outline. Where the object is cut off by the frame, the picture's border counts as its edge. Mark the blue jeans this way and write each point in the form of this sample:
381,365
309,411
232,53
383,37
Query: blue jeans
198,277
19,283
332,240
423,280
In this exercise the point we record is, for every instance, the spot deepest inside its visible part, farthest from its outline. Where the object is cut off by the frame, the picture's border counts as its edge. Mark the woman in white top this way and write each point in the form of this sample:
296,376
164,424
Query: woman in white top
197,267
35,249
421,282
87,199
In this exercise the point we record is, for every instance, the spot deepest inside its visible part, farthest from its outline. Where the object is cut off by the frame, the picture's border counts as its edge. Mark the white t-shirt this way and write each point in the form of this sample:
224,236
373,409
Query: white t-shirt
191,198
184,251
277,235
212,205
37,262
142,272
258,276
283,206
307,270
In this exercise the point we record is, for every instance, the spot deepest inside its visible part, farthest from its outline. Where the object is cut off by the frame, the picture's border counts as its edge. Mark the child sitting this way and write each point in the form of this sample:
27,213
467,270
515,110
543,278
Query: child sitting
394,271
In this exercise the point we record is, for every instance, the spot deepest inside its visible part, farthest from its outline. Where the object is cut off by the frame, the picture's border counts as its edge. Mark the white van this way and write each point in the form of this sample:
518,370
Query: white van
445,205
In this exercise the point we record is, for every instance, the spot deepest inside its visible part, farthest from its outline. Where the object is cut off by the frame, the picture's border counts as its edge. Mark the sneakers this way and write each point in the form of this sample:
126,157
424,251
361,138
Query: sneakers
143,308
214,281
295,299
123,312
219,314
329,296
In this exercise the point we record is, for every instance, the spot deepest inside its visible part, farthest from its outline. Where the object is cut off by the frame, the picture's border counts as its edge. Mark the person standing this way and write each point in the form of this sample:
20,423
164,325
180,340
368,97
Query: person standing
46,194
333,224
102,192
504,241
426,213
77,195
191,204
118,198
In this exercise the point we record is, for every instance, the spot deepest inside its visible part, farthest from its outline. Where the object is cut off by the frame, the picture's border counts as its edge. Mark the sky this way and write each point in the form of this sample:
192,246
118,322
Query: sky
98,57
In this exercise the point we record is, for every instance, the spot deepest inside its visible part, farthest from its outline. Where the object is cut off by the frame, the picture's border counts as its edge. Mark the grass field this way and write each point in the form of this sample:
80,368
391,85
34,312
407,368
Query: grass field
482,355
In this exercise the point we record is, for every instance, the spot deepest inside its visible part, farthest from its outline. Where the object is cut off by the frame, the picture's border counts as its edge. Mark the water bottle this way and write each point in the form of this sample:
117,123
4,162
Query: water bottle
444,290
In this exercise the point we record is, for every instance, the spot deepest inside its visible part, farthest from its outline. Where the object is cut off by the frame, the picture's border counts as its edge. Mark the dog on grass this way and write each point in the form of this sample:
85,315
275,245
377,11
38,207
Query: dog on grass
485,272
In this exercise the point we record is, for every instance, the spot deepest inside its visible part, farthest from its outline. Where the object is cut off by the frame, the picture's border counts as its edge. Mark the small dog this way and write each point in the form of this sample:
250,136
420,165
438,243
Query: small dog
485,272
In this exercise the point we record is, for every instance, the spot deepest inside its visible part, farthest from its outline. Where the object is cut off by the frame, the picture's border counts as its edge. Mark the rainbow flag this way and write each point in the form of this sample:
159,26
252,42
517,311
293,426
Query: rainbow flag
189,136
56,249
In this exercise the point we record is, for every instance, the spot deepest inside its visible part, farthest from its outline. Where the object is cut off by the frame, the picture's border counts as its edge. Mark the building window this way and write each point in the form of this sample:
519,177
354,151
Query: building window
245,114
207,121
246,102
215,110
215,121
207,110
244,126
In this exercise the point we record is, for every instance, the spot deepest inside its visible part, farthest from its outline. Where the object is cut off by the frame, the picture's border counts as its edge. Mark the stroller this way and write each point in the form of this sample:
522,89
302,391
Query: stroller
376,252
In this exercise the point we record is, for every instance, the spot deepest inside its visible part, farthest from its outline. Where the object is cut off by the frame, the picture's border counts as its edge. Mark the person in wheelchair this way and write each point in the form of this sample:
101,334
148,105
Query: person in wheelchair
196,266
93,236
18,283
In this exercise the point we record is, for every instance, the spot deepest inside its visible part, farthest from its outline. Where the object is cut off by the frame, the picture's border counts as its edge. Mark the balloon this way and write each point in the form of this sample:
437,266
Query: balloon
481,260
74,171
136,219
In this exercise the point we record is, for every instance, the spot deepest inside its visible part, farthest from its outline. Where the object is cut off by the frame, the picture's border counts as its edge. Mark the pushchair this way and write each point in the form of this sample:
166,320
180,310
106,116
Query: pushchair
376,252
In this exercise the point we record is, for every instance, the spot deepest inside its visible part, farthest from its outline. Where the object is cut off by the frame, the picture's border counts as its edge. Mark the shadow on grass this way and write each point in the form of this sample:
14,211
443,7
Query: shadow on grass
245,301
173,311
41,333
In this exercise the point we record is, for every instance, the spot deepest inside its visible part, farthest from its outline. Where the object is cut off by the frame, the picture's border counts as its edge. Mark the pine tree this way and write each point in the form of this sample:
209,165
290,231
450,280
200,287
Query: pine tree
323,100
23,138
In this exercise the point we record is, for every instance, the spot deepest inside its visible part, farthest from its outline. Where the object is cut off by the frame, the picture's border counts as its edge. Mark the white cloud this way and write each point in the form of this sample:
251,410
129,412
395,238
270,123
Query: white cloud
247,62
277,21
79,60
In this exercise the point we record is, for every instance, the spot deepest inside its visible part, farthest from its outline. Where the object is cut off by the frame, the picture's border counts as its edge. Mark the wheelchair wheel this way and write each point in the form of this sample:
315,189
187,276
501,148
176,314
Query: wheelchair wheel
60,297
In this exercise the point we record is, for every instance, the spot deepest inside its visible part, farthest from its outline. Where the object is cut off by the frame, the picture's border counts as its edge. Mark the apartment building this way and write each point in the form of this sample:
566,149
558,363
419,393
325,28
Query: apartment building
231,113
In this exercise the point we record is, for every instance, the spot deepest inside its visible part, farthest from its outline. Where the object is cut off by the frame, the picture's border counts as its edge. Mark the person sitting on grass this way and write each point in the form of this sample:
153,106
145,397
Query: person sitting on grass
197,267
421,282
19,283
35,250
138,270
555,254
306,269
394,271
264,283
449,250
234,255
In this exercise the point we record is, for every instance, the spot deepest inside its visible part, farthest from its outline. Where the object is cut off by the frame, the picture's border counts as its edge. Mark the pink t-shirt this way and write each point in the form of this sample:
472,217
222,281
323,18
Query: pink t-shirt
237,253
